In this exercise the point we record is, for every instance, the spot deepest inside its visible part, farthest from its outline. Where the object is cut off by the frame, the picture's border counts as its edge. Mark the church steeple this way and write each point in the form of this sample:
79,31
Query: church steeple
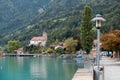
45,34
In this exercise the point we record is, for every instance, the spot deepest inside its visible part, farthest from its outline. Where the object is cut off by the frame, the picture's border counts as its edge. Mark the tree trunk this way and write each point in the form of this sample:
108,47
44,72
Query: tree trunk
118,55
114,55
108,54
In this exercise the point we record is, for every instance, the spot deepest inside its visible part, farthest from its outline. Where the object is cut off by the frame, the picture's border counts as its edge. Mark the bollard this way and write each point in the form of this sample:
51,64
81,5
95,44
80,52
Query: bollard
99,72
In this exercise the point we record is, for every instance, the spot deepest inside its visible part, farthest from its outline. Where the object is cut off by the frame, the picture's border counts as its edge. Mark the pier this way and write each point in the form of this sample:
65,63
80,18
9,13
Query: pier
32,55
83,74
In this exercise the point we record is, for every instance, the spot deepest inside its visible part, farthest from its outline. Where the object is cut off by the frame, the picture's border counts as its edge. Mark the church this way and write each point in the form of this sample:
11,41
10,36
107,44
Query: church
39,40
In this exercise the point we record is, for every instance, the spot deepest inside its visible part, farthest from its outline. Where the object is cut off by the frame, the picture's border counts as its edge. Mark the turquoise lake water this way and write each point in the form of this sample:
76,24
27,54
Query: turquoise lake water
36,68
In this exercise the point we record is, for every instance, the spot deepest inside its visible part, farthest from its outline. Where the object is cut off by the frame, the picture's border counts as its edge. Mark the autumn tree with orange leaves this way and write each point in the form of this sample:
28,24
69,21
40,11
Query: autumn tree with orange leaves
111,41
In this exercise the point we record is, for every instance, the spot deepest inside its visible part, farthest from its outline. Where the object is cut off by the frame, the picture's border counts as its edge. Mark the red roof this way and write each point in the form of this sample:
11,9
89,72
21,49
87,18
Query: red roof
38,38
20,49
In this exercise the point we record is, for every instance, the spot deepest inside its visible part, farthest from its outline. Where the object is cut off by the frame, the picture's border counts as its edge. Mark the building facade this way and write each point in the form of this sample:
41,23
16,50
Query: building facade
39,40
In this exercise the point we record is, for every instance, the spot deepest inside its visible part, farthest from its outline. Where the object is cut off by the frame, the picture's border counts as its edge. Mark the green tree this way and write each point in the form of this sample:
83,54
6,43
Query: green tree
49,50
86,29
78,47
33,49
0,49
70,45
13,45
59,50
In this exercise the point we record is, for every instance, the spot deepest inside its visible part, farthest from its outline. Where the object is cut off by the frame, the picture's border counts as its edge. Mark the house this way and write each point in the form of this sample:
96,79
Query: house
20,51
39,40
59,47
2,53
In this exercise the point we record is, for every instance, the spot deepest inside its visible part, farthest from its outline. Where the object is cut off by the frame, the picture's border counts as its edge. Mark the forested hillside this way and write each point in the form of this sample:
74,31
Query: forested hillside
15,14
60,18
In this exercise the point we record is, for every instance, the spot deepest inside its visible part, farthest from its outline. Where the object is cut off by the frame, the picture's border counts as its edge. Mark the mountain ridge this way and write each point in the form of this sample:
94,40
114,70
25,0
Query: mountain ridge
61,19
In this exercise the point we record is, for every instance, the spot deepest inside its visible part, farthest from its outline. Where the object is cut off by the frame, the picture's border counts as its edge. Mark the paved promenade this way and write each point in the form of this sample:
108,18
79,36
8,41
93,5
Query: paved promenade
83,74
111,68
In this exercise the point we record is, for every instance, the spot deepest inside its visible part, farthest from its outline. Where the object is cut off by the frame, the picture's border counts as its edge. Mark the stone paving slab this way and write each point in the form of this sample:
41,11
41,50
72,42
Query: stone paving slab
83,74
111,68
112,73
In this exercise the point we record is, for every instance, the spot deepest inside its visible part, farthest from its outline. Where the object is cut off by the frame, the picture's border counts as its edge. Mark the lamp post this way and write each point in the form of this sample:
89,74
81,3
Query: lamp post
98,19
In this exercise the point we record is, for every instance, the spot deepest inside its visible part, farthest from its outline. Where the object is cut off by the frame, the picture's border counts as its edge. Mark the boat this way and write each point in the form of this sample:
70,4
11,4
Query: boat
79,56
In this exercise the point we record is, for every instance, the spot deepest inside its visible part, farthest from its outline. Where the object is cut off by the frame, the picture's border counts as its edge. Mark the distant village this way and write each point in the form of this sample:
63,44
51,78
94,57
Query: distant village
41,41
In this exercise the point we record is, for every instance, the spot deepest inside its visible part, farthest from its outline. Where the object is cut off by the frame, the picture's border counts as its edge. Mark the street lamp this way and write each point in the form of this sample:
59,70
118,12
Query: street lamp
98,19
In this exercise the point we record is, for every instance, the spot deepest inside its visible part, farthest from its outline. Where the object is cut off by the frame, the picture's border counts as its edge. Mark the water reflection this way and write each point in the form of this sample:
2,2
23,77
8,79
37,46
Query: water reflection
38,69
20,61
1,63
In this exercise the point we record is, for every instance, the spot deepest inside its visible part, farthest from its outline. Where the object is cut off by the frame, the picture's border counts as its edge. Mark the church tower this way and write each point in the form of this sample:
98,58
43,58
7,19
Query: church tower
45,34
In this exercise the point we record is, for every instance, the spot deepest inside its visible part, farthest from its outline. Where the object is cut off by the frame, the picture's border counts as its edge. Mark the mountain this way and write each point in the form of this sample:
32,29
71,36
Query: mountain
16,14
23,19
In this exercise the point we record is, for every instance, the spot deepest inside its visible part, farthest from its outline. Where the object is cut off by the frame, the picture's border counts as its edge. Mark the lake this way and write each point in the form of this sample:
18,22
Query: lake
36,68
